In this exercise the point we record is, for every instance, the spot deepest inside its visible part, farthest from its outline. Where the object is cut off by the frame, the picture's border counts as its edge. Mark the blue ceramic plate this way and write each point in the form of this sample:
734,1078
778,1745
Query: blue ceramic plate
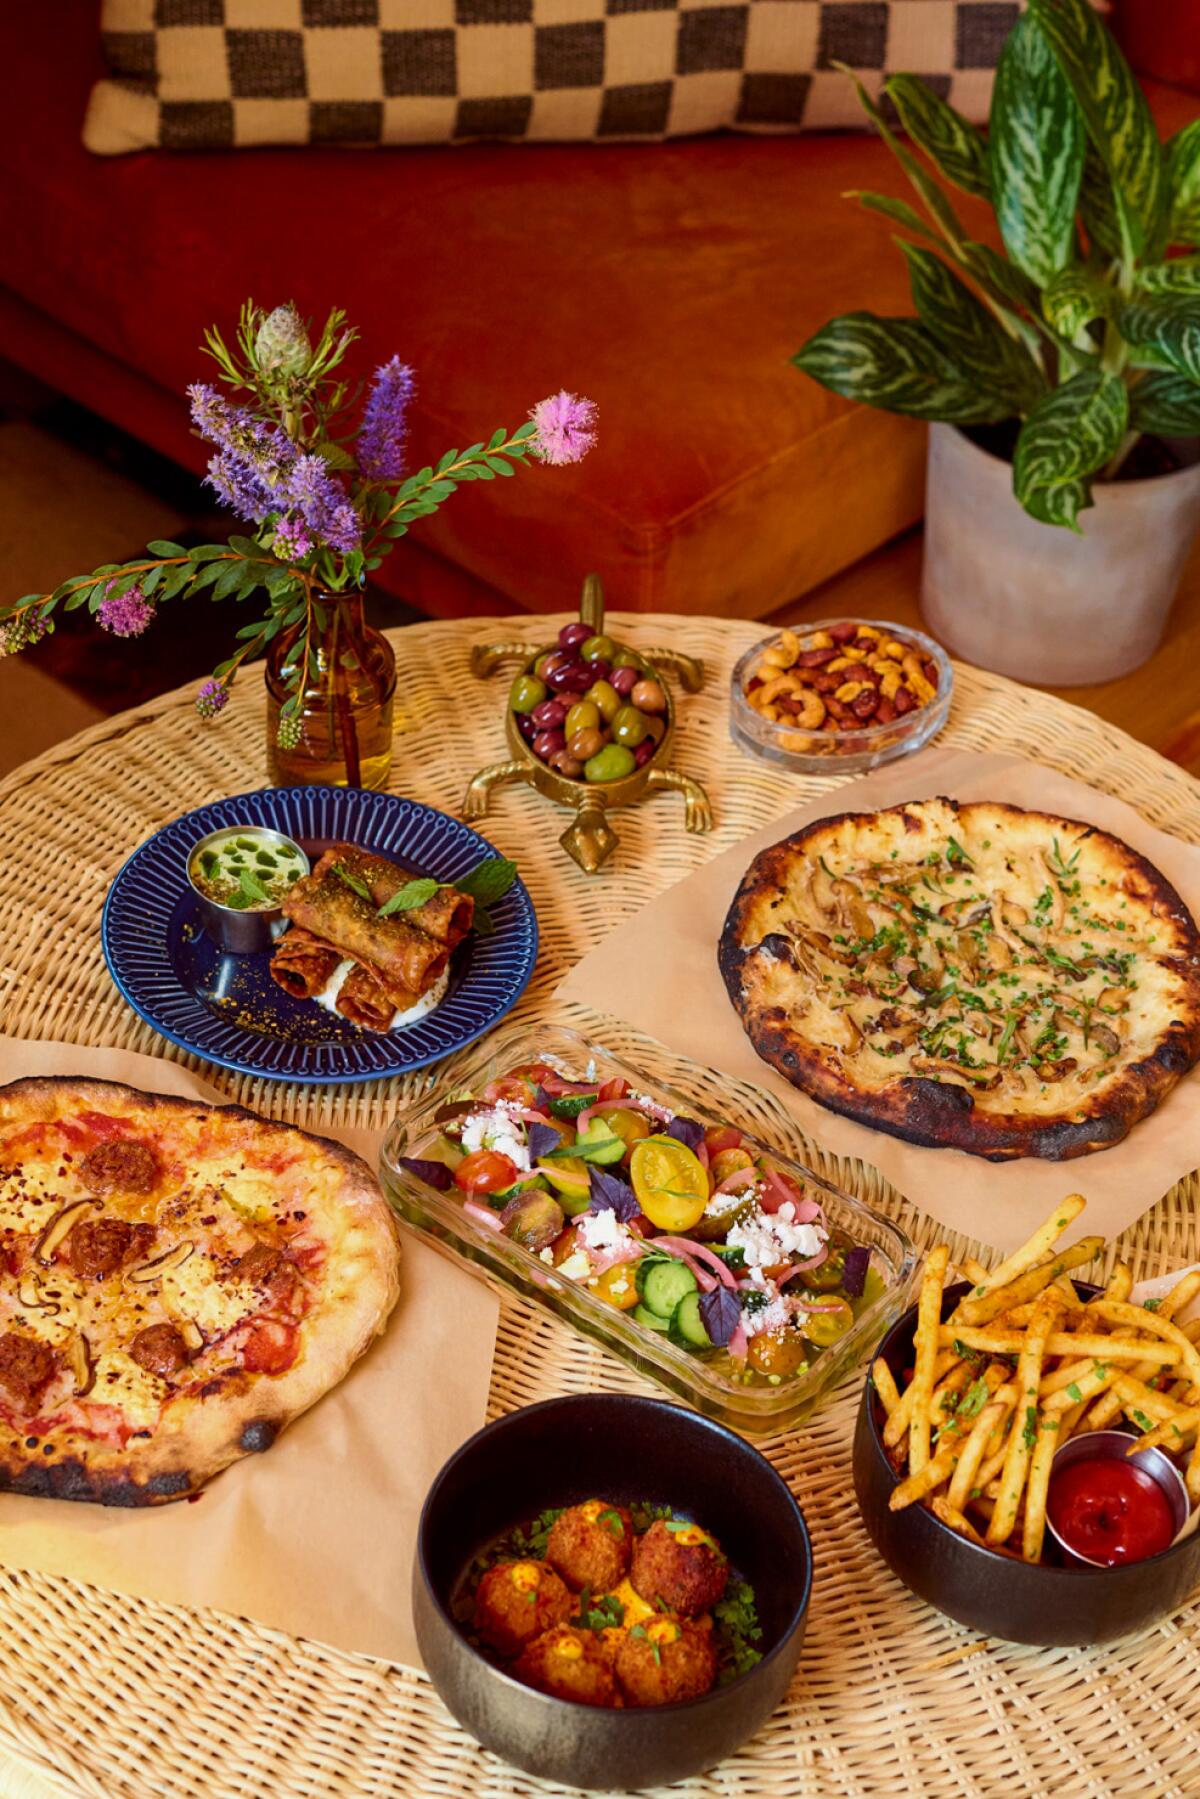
227,1008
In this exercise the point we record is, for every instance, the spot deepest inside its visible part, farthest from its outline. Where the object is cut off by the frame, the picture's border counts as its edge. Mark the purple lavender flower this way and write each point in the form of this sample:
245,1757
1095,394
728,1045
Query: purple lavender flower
565,428
239,486
321,500
381,437
253,458
125,614
292,539
212,698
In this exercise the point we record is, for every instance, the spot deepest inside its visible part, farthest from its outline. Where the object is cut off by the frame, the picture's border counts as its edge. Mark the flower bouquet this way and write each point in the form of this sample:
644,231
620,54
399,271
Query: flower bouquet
318,476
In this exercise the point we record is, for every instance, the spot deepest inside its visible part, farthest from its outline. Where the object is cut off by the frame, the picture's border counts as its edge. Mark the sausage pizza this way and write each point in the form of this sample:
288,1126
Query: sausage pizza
177,1282
973,976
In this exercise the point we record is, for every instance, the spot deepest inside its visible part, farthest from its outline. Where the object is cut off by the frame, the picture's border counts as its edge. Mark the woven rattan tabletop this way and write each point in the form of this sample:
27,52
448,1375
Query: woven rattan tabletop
108,1696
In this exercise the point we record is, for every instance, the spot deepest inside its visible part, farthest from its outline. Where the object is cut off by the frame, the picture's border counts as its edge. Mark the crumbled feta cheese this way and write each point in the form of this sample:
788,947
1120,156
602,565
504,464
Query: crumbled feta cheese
720,1203
774,1316
765,1238
662,1113
495,1127
601,1231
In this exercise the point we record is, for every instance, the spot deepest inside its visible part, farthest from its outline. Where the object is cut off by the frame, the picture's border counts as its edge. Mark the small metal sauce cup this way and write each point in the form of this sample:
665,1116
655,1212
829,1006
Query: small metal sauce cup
241,933
1113,1445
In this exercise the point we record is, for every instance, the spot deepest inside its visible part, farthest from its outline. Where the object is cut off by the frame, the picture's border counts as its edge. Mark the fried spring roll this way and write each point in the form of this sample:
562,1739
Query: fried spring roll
447,916
404,956
301,964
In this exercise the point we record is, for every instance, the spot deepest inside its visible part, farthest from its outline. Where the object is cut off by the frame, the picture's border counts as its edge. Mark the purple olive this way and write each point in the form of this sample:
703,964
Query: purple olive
625,680
600,669
643,752
550,715
576,677
558,678
571,636
527,725
548,743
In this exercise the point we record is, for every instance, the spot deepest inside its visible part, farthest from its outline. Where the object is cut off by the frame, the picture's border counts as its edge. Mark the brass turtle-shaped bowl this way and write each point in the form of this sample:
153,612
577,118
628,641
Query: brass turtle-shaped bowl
590,839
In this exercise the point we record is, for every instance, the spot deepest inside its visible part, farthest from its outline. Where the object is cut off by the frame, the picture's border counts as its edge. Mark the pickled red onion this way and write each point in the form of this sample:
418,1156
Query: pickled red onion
482,1214
778,1192
798,1267
739,1348
692,1253
741,1177
604,1259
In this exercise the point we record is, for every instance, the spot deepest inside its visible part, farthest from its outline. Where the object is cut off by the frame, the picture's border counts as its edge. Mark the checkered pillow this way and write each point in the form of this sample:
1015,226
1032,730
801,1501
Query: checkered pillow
205,74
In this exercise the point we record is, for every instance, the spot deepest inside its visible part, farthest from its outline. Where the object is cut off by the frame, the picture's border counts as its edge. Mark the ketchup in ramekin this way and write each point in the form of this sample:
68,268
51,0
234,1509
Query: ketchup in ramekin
1106,1510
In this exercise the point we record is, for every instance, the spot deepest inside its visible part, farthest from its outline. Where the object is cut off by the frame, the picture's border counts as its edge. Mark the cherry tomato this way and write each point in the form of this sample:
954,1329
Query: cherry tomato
625,1123
485,1171
826,1326
565,1244
510,1086
616,1286
777,1352
270,1347
721,1136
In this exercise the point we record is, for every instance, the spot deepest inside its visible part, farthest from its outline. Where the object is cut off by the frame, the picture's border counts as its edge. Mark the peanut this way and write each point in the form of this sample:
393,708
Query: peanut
838,680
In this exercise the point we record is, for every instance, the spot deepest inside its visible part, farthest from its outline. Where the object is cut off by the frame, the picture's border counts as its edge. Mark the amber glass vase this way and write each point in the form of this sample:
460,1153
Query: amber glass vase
345,704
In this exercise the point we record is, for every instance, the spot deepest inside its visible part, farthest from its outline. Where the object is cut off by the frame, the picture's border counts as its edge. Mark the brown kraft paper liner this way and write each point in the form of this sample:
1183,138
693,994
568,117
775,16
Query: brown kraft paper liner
659,972
316,1536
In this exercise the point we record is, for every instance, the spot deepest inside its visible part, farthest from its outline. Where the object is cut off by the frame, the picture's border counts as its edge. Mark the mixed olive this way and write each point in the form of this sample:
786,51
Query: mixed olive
590,709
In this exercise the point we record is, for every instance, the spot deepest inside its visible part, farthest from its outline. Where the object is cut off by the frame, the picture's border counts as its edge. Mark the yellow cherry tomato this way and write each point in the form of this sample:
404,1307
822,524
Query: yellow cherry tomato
670,1183
777,1352
625,1123
826,1326
617,1286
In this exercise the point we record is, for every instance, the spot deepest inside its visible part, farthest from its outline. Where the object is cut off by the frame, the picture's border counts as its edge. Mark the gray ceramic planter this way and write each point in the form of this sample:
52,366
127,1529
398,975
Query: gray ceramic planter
1038,602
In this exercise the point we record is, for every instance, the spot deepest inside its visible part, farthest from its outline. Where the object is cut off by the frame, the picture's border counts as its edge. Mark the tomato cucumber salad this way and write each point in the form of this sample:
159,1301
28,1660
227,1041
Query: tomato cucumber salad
693,1230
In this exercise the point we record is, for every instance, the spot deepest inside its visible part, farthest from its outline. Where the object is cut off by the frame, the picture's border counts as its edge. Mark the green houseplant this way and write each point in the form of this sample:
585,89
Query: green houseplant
1076,351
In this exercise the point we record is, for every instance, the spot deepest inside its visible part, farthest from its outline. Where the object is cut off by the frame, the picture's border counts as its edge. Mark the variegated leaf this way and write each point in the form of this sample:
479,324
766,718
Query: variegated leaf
1183,185
966,331
1166,404
1098,207
1169,327
1115,108
953,145
1075,297
1181,275
1035,147
936,203
896,365
1003,277
1067,437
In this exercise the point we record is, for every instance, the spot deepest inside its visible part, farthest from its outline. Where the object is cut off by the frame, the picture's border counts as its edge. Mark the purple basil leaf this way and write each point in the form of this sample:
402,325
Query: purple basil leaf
686,1131
611,1194
542,1139
541,1099
854,1270
720,1314
434,1174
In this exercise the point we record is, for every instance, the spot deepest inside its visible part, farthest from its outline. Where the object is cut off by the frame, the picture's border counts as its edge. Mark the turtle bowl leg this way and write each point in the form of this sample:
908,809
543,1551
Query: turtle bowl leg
697,808
475,800
688,669
589,839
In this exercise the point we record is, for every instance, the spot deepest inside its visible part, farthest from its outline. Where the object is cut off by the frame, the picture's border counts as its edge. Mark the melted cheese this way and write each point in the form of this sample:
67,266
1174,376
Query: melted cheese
136,1393
30,1197
193,1291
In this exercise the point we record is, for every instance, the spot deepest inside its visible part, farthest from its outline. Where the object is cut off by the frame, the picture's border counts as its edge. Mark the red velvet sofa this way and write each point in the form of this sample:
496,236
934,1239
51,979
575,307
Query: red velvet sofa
670,283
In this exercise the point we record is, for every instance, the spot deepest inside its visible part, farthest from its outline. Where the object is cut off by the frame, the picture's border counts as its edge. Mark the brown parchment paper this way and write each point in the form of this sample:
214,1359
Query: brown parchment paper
315,1537
659,972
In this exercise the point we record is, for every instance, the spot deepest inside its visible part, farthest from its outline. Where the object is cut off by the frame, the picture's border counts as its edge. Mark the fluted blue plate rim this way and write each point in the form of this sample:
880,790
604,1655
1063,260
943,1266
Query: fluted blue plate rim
143,902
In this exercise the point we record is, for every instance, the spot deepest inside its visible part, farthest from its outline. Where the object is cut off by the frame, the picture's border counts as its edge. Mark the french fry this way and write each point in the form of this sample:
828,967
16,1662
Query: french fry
1036,1250
1097,1378
925,1343
1120,1283
951,1515
1070,1420
935,1473
1180,1295
885,1385
1192,1477
1034,1529
896,1428
1027,1286
1024,1436
1117,1312
973,1450
1171,1433
972,1270
1010,1342
1143,1404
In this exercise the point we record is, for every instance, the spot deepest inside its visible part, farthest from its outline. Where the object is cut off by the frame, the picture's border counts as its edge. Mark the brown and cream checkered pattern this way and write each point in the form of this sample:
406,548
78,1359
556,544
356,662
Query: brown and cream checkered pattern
204,74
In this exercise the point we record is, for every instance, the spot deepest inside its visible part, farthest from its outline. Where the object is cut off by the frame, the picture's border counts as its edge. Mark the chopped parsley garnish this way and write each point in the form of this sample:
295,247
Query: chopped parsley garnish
605,1613
1029,1434
1074,1393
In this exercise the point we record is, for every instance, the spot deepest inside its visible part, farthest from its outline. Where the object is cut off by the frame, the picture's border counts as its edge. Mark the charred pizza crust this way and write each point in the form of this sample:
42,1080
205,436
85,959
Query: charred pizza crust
1101,924
222,1410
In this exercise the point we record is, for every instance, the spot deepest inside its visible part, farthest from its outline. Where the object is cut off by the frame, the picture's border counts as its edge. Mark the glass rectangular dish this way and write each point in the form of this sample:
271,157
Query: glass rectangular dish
440,1218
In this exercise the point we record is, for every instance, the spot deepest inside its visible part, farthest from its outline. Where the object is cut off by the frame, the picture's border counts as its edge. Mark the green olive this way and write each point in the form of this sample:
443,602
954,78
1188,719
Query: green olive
607,700
630,727
583,716
526,693
612,763
598,649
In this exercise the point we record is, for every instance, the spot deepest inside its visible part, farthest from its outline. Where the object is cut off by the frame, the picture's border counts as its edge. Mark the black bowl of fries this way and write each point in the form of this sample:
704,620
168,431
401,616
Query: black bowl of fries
954,1456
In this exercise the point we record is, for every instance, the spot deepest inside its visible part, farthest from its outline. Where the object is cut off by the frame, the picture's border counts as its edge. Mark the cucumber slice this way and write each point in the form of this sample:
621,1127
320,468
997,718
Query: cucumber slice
643,1268
687,1327
665,1285
599,1144
500,1199
570,1105
652,1321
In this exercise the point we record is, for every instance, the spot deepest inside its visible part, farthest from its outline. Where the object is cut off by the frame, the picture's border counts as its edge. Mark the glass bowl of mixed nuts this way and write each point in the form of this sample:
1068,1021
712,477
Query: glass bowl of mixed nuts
840,695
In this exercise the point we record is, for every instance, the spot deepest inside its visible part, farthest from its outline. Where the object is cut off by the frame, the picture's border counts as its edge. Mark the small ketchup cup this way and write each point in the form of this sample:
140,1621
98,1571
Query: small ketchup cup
1113,1445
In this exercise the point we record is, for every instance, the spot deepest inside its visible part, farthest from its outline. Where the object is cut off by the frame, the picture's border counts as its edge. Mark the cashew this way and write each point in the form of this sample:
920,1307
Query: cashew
808,709
820,640
850,690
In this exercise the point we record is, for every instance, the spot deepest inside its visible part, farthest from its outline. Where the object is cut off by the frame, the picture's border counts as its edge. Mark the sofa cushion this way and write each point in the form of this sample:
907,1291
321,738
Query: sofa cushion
197,74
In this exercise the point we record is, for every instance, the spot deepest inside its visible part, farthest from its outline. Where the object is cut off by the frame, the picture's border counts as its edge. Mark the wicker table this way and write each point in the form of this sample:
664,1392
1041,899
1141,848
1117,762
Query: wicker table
108,1696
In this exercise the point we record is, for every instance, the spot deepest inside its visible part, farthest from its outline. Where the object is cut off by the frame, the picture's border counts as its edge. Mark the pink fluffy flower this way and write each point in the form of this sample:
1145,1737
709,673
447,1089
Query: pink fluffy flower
125,614
565,428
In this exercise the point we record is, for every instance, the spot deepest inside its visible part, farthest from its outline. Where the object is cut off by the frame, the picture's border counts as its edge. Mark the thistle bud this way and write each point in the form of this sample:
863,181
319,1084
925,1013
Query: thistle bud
281,346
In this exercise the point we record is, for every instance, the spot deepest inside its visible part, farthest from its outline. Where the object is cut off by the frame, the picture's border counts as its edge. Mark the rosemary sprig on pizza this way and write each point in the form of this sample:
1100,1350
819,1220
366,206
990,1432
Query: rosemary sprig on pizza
969,976
177,1283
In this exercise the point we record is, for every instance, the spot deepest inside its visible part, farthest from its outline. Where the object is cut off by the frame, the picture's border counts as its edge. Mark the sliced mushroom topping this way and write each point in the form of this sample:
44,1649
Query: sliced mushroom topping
1105,1037
1113,999
967,951
1012,914
852,909
59,1228
29,1292
983,1078
1056,1071
170,1258
833,950
79,1360
852,1036
191,1333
